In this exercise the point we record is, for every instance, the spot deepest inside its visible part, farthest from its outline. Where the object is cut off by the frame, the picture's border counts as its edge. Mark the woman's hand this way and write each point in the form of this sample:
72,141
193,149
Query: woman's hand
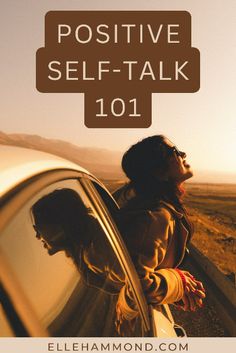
194,293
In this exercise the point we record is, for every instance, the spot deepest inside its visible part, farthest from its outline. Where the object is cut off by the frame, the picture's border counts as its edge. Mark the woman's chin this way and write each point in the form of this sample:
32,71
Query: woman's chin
189,174
53,250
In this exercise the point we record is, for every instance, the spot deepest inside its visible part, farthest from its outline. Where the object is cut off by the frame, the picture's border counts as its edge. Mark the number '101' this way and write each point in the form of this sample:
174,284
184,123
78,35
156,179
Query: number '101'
117,108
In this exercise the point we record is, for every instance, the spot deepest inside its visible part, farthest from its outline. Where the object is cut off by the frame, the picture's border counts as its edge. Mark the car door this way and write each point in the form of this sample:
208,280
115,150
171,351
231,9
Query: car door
161,320
45,294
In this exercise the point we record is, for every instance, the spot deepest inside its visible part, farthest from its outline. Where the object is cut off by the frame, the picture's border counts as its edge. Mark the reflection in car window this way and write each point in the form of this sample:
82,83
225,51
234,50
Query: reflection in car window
66,266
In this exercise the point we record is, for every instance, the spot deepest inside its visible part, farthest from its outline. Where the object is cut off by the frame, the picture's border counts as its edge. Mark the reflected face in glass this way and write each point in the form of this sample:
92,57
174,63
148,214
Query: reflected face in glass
178,169
52,237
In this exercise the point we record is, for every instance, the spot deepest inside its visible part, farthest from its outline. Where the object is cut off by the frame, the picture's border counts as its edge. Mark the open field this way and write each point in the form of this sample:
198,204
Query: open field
217,201
212,209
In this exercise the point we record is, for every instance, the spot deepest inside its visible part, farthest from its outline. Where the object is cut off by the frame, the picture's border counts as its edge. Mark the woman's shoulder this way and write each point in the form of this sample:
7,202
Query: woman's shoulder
146,218
167,209
160,214
148,210
139,226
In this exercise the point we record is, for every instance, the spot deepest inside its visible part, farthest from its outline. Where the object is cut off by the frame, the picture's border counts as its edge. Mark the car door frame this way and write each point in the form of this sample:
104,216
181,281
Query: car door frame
119,247
15,199
161,322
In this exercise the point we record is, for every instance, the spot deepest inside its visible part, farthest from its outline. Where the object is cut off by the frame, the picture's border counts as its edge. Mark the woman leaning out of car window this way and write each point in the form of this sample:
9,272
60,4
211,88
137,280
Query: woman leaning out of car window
155,225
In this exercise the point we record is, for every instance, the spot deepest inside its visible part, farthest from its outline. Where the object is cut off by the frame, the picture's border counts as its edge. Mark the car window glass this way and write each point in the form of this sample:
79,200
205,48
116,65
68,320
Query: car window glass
64,263
108,201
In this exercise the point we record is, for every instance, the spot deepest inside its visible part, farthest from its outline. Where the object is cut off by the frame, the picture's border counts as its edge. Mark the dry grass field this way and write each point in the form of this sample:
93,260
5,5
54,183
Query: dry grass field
212,208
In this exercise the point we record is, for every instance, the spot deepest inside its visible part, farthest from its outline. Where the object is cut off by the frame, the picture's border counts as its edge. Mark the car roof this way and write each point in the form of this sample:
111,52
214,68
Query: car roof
18,164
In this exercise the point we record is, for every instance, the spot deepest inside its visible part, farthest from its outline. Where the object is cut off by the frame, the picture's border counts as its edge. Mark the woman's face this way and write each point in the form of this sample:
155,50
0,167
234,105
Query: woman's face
52,237
178,169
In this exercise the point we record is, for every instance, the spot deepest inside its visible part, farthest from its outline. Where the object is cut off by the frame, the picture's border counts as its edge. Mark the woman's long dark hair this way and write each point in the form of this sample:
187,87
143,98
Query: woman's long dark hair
64,207
142,163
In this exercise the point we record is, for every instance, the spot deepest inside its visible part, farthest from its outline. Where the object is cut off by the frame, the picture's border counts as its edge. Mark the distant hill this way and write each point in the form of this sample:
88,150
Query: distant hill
103,163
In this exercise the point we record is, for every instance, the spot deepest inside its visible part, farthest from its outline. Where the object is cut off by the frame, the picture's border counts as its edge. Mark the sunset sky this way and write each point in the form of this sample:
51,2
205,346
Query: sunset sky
203,123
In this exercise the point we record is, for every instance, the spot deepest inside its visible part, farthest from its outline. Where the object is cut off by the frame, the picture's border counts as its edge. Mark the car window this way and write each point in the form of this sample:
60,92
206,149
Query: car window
57,248
109,202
